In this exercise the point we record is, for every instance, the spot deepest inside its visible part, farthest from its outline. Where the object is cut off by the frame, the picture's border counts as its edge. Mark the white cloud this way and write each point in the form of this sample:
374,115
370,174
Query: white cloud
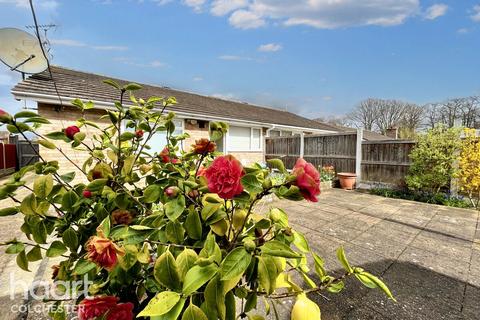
225,96
134,62
435,11
463,31
76,43
223,7
270,47
68,43
110,48
244,19
157,64
476,13
197,5
40,4
197,79
327,98
234,58
325,14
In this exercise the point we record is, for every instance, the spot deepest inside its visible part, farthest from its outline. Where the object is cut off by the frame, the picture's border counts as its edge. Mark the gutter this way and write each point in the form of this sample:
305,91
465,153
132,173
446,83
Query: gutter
52,99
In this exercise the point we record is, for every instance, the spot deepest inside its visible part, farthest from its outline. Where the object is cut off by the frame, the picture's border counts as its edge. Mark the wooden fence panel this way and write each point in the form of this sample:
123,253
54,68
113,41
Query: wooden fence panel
332,149
386,161
26,153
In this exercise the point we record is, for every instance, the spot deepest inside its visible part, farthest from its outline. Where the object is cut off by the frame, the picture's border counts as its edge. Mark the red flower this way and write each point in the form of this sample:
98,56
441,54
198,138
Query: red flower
95,308
224,177
201,171
203,146
165,155
71,131
87,194
308,179
139,133
103,252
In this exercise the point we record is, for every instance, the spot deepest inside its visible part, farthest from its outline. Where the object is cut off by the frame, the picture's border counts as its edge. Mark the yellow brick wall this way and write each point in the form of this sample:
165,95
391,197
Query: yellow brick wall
195,133
59,121
247,158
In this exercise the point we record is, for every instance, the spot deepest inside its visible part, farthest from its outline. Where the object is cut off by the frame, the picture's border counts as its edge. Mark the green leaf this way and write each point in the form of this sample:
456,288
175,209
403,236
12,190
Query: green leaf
162,303
319,266
35,254
83,266
300,242
128,165
47,144
193,225
366,281
68,177
175,232
197,277
194,313
235,263
277,164
185,261
25,114
267,273
70,239
251,183
174,313
39,232
215,299
174,208
336,287
57,248
379,284
43,185
152,193
29,205
15,248
132,87
79,137
278,249
127,136
209,209
69,199
10,211
166,271
343,260
22,261
112,83
97,185
251,302
104,227
58,135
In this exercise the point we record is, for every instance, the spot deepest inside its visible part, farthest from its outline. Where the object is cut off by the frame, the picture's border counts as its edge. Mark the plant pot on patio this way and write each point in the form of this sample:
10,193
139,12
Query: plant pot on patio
347,180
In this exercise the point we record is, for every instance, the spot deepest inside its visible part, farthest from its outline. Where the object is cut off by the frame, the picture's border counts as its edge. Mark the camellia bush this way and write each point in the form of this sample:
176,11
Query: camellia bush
469,167
169,235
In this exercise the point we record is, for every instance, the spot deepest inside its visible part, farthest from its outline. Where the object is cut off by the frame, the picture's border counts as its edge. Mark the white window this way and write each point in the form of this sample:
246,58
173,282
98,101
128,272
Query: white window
244,139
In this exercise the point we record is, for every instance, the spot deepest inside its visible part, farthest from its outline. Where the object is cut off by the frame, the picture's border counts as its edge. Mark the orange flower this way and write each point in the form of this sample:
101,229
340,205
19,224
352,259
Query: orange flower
203,146
103,252
121,216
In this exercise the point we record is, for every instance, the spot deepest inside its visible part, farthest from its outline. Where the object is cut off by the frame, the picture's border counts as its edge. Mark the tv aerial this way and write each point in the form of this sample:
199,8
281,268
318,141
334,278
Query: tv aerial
21,51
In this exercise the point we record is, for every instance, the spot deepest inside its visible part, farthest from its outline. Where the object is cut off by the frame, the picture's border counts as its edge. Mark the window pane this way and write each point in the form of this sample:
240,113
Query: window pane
256,143
159,139
274,133
286,133
239,138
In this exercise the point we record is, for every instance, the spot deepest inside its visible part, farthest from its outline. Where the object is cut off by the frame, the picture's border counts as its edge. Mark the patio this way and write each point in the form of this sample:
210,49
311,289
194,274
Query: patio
428,255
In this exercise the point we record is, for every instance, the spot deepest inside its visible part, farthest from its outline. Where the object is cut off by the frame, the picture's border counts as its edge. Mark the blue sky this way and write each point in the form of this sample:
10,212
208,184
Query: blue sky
313,57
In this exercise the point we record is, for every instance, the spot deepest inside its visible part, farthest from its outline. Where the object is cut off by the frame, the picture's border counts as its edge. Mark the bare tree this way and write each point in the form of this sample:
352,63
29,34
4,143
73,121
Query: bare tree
365,114
412,117
457,111
390,114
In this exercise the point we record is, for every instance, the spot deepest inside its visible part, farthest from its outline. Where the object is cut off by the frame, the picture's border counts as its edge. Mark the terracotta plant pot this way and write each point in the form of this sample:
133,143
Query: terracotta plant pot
347,180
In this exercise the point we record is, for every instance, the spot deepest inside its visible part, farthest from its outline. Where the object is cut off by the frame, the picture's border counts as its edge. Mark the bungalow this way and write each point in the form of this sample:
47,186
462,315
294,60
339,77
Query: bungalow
249,124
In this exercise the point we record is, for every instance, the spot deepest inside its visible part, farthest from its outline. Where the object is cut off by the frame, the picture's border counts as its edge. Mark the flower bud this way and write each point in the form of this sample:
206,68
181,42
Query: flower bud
87,194
249,245
71,131
139,133
122,216
172,192
305,308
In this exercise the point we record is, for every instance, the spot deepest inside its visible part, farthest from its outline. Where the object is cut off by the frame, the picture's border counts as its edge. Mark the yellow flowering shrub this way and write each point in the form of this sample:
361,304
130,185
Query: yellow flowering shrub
469,166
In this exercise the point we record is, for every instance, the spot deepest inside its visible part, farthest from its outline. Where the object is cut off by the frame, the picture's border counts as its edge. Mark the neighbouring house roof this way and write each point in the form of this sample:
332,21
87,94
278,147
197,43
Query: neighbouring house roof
73,84
368,135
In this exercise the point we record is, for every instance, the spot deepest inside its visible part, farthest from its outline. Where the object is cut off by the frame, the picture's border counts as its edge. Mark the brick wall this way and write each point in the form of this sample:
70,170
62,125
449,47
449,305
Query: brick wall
247,158
60,120
195,133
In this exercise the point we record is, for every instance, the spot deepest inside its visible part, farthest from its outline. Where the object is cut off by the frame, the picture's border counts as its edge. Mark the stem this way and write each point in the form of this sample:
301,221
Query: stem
173,245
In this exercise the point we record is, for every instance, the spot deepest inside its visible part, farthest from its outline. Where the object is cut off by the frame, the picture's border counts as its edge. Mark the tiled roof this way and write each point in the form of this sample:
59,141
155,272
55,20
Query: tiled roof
368,135
89,86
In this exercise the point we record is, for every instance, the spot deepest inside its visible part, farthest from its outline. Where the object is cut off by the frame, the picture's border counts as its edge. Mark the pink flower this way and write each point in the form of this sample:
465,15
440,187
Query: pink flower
224,177
103,252
71,131
97,307
307,179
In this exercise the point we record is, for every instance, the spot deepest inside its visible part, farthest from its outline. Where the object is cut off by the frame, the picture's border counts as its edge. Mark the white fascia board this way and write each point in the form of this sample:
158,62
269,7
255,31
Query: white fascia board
51,99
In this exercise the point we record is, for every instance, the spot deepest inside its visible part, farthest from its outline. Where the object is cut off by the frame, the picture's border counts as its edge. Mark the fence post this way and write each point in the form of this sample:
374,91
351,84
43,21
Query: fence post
302,144
358,156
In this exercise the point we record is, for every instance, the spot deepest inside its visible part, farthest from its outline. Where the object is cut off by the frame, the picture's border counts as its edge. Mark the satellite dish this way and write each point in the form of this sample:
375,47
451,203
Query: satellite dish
21,51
